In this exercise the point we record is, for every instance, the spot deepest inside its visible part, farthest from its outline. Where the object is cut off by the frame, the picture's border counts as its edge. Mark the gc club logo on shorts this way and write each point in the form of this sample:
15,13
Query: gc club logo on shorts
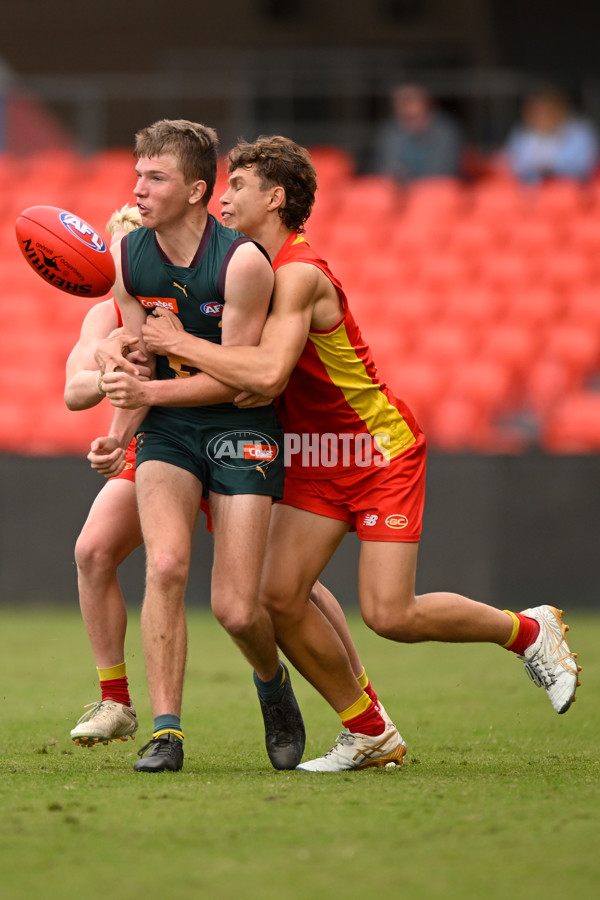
82,231
396,521
242,449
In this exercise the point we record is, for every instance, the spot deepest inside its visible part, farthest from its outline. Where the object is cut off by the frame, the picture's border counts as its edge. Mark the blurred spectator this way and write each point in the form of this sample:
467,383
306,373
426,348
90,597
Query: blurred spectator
551,141
418,141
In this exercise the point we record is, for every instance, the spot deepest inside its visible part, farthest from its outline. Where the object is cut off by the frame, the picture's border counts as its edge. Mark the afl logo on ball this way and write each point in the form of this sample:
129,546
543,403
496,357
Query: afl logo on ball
212,309
397,521
82,231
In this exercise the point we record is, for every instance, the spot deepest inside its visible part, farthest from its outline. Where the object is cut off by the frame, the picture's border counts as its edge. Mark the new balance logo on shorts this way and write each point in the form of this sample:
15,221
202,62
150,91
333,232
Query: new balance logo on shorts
370,519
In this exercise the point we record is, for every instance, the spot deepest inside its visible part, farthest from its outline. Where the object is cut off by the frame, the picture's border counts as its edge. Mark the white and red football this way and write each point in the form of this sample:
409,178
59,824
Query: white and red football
65,251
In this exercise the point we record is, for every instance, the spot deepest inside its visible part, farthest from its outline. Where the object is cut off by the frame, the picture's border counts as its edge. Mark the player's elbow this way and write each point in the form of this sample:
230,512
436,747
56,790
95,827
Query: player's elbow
271,382
75,402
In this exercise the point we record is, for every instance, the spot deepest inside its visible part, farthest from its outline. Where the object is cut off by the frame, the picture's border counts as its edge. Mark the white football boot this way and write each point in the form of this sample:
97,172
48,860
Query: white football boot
548,661
106,721
360,751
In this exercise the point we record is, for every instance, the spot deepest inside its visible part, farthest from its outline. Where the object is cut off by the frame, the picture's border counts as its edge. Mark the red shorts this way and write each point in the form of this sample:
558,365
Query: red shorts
379,503
128,473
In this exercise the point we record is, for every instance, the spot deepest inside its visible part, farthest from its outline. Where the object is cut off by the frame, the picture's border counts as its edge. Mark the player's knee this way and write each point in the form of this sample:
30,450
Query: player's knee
92,555
390,621
283,609
166,569
237,620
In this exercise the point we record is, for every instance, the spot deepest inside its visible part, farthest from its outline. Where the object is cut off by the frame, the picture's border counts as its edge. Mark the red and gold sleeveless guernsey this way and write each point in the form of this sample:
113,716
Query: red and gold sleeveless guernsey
335,410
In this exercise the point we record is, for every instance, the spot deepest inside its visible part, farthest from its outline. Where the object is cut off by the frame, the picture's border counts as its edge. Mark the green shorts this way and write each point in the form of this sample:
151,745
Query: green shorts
233,453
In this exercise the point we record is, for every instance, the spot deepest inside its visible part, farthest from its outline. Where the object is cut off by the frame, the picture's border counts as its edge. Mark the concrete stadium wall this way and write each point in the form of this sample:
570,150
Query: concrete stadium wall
511,531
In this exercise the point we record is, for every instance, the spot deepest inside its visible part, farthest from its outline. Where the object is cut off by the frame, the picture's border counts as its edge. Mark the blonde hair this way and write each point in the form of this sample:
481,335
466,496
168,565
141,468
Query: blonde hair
126,219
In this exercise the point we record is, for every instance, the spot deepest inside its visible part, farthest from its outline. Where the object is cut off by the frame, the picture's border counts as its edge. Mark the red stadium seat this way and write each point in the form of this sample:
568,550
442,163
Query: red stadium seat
576,346
471,238
434,198
418,382
566,269
583,307
443,271
546,383
532,234
486,383
535,306
574,426
499,202
506,271
561,200
511,344
457,425
445,344
471,305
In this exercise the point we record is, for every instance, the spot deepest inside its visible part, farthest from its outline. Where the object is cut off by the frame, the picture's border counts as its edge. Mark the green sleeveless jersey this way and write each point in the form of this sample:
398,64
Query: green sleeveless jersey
194,293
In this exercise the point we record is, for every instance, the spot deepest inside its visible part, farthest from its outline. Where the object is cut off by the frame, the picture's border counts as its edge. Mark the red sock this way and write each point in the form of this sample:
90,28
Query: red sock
116,689
368,722
368,689
527,633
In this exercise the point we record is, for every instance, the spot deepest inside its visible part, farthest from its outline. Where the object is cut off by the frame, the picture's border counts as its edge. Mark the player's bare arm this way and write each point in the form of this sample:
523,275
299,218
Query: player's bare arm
303,298
248,289
107,452
83,376
82,389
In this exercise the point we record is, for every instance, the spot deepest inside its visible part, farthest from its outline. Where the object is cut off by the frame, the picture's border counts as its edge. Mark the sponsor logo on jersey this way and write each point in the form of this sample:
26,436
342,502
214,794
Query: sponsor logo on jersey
242,450
213,308
396,521
82,231
165,302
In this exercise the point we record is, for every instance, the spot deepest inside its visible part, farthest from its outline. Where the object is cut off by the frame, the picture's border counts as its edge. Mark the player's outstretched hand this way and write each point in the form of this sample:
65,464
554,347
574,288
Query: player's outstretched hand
160,330
111,353
125,391
107,457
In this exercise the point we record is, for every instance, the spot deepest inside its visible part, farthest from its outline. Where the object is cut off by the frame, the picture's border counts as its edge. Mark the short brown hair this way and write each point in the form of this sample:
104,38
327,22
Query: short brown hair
194,146
280,161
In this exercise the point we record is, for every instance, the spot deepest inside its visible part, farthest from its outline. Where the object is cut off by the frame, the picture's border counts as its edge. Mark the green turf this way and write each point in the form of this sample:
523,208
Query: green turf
498,797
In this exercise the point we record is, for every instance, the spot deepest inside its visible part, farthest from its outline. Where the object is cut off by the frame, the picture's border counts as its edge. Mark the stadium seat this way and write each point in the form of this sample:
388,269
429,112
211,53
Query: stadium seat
574,425
417,381
506,271
445,344
546,382
334,166
443,270
487,383
435,198
576,346
566,269
458,425
534,306
583,234
370,198
470,305
470,237
561,200
582,307
532,234
512,344
499,201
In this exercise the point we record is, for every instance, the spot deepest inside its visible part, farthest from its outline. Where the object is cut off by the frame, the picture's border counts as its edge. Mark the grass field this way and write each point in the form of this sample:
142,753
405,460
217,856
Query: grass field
498,798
